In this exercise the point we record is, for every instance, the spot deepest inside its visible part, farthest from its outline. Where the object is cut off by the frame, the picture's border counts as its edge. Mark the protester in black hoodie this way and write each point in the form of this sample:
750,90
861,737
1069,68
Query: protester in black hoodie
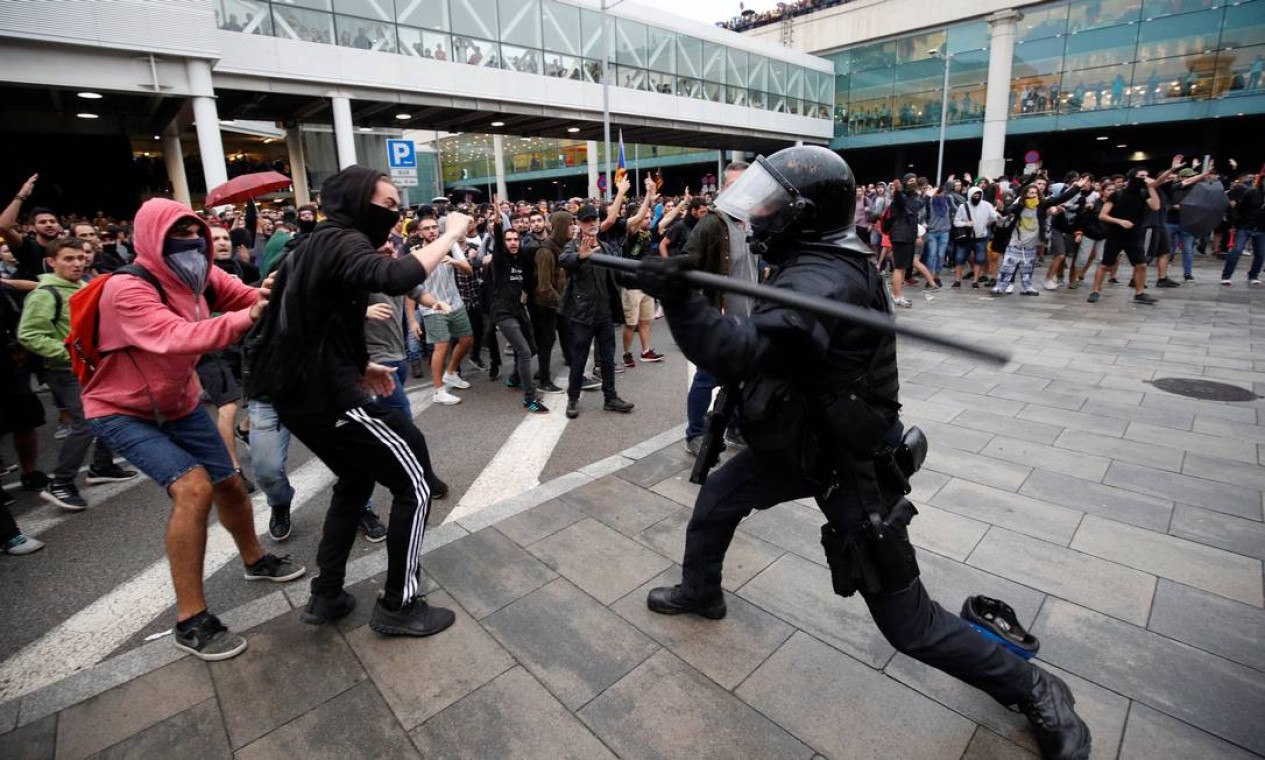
312,360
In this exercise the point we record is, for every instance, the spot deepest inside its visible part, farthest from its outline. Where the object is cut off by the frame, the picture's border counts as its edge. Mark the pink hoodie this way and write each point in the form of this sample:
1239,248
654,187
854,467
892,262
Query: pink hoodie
155,345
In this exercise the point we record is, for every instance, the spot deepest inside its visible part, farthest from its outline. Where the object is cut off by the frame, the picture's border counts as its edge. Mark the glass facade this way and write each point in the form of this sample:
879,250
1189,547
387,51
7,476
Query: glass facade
470,156
1070,57
548,37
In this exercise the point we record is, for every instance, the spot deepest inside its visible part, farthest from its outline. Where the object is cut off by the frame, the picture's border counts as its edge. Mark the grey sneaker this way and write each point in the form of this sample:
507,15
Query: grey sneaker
270,567
372,528
209,640
417,618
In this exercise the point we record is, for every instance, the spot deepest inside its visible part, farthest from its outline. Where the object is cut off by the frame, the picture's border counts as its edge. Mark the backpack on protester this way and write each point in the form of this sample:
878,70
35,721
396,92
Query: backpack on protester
85,319
885,220
964,235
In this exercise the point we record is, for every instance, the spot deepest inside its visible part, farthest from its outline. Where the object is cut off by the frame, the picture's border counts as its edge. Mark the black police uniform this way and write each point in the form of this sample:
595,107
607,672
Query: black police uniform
784,348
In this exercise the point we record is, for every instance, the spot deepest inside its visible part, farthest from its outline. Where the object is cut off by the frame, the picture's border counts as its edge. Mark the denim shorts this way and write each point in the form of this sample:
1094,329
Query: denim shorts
166,452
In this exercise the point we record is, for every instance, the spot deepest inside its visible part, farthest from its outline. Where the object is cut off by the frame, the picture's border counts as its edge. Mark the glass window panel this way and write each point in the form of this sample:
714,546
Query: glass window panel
364,34
1239,72
1038,58
779,103
874,55
474,52
428,14
662,83
1035,95
777,77
923,75
1244,25
1101,47
736,66
424,44
249,16
870,115
688,87
316,5
1171,36
713,91
915,46
662,46
631,77
966,103
475,18
968,37
630,43
795,82
299,24
736,96
811,92
1043,22
758,65
520,22
561,27
591,71
374,9
1097,89
1155,8
561,66
713,62
689,56
1083,15
526,60
591,26
758,99
842,61
969,68
875,83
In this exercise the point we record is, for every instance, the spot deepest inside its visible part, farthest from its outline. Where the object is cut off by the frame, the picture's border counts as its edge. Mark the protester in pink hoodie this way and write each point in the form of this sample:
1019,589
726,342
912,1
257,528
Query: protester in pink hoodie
143,401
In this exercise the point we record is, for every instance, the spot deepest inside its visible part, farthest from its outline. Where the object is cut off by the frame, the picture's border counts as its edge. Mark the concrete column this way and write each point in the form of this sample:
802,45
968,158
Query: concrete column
298,165
344,132
173,156
591,151
992,162
498,155
207,122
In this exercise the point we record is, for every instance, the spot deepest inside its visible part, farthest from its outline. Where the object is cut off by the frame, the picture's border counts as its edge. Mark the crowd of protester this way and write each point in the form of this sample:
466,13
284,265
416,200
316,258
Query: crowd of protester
750,19
516,271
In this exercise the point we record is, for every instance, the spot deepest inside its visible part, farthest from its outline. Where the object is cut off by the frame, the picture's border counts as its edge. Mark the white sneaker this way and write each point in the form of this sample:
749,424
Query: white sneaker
21,544
442,396
904,303
1010,288
1051,285
1227,283
454,380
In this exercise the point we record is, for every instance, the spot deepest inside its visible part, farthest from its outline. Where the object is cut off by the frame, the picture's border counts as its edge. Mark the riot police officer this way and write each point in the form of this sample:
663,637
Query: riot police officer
820,415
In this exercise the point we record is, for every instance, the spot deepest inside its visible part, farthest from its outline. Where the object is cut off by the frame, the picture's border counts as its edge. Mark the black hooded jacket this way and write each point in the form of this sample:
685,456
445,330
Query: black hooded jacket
320,297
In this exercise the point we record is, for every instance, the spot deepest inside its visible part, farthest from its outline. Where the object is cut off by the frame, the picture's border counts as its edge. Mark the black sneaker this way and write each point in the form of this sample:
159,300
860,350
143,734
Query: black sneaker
573,408
209,640
494,373
671,600
111,474
326,609
549,388
7,499
956,284
590,383
478,362
246,482
372,527
617,404
438,489
416,368
1060,732
1145,298
1188,278
513,382
279,523
65,495
695,445
534,406
1093,297
270,567
628,360
734,437
36,481
417,618
1165,282
242,435
1113,281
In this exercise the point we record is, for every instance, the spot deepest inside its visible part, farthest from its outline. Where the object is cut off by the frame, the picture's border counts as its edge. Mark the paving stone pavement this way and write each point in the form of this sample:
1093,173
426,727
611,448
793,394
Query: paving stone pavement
1123,523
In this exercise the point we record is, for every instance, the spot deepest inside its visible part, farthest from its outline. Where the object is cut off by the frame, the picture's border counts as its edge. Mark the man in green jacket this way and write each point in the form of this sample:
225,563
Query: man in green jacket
42,331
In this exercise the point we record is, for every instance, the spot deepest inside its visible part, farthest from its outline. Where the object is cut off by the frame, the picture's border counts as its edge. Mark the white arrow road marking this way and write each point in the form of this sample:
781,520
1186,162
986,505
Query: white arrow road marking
98,629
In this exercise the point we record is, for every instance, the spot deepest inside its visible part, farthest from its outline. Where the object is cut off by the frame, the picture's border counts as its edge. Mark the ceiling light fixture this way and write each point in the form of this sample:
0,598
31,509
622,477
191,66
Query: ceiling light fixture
403,116
87,115
498,123
1121,145
573,130
1101,137
90,95
366,129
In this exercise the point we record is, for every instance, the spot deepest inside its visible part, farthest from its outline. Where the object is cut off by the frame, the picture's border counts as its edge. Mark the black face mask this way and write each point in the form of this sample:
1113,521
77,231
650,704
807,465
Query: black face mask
974,200
1136,183
306,225
379,222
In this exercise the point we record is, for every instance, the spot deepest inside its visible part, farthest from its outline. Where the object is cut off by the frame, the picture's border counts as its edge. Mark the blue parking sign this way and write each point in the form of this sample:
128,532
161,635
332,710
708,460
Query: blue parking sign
401,154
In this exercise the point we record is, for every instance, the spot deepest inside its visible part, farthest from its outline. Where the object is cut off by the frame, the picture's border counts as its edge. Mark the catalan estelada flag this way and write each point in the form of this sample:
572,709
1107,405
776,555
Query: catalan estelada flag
621,171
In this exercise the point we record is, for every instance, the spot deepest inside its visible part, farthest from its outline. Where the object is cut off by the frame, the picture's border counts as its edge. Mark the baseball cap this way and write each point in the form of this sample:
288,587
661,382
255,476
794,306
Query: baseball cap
1187,172
587,211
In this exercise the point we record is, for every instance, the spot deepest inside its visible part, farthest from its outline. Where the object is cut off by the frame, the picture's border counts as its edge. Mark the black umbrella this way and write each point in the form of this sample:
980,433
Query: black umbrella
1203,208
467,191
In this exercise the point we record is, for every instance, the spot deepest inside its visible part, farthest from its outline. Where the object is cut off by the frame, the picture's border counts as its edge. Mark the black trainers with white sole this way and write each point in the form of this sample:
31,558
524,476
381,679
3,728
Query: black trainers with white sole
270,567
112,474
208,639
65,495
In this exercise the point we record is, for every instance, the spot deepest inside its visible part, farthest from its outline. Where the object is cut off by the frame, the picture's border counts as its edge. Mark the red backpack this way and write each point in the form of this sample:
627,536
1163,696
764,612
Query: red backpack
85,320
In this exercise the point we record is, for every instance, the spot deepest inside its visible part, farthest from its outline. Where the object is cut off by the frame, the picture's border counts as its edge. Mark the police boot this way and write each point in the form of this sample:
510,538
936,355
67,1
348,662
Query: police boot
671,600
1060,732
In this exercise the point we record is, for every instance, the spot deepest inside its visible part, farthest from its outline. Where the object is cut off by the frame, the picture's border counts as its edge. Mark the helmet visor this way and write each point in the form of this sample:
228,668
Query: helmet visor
756,197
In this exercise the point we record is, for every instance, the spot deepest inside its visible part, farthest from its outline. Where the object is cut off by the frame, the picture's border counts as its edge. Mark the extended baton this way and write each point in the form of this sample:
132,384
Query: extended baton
844,311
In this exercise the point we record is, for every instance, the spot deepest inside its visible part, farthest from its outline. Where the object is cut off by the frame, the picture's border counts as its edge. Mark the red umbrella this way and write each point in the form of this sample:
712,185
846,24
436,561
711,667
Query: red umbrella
247,186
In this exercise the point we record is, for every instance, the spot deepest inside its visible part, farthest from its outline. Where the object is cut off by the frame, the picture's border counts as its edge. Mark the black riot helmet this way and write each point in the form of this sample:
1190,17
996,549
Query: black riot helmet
806,193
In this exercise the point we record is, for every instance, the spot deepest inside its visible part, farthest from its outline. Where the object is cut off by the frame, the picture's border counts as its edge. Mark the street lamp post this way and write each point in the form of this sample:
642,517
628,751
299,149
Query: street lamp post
944,108
608,39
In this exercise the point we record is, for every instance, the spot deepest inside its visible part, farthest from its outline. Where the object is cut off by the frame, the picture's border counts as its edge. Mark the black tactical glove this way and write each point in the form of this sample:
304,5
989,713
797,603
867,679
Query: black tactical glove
662,278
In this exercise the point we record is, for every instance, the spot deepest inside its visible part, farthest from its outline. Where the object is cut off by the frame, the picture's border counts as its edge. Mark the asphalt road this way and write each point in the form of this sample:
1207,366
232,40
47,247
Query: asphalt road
90,554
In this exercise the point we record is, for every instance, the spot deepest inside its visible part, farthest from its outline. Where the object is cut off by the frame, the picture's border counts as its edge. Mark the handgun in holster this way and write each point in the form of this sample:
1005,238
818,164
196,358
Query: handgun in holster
713,435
